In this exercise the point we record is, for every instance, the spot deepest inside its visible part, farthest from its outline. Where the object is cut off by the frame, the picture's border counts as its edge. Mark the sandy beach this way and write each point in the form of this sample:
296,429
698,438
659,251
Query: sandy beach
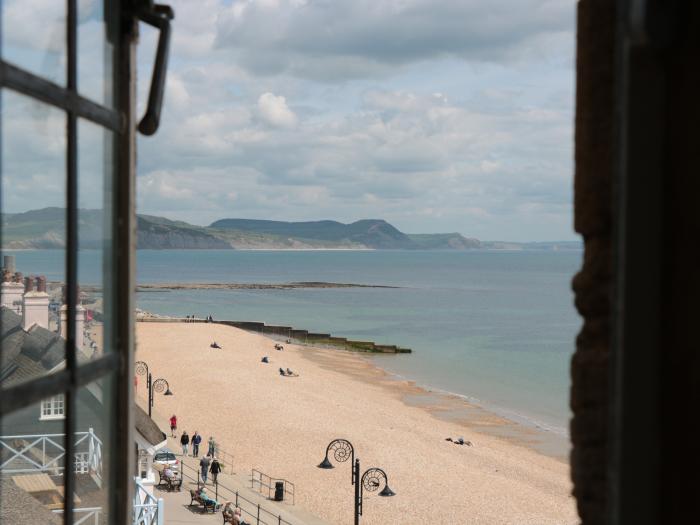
282,425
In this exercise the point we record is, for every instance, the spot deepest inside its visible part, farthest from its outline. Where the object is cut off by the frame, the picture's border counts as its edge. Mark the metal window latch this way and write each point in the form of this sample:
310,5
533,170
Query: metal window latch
158,16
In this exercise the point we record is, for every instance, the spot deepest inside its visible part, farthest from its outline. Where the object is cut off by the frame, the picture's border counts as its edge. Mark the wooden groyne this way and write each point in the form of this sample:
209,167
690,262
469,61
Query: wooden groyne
293,334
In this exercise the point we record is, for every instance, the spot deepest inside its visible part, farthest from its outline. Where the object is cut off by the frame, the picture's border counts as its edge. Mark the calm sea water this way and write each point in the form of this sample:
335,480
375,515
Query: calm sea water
495,327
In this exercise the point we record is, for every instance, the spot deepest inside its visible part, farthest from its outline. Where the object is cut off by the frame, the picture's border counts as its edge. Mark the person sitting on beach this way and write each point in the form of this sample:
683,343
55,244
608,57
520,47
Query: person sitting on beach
215,345
265,359
282,372
290,373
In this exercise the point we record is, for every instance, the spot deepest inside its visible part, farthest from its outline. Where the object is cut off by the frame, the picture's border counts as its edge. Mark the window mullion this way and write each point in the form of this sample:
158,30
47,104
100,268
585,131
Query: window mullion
71,289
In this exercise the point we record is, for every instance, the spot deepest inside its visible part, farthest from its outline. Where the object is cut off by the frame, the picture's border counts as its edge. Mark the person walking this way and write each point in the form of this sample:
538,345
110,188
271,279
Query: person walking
185,442
215,468
211,451
173,425
204,467
196,440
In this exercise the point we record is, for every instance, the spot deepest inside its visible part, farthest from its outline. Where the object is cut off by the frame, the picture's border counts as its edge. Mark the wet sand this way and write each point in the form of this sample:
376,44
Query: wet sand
282,425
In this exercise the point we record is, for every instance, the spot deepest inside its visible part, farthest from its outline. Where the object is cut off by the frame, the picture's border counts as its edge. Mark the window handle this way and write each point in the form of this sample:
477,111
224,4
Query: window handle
158,16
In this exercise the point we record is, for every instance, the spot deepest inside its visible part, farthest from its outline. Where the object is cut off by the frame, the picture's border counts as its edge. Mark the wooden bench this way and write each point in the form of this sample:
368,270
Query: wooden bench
208,505
172,483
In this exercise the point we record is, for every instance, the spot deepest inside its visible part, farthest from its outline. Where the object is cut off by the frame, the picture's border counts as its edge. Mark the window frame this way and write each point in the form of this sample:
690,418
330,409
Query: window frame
119,362
53,408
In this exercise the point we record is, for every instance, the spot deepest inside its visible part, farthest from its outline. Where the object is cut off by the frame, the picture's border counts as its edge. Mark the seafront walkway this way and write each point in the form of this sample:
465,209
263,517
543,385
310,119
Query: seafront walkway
270,512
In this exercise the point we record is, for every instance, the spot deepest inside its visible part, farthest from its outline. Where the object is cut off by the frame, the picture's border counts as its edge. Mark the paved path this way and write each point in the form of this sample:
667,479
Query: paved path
177,510
272,512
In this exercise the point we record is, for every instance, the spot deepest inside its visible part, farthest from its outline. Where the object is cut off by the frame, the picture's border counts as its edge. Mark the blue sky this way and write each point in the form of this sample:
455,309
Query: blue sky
436,115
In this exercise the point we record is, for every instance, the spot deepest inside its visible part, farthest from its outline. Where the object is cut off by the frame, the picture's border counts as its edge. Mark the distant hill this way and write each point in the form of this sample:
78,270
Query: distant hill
45,229
440,241
369,233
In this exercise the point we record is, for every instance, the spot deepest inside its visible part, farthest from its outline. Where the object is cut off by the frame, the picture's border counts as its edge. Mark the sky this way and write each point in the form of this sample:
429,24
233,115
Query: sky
436,115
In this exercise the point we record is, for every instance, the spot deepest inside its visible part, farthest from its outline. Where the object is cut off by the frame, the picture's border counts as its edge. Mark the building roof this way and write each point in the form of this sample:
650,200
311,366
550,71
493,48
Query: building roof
28,354
19,506
147,427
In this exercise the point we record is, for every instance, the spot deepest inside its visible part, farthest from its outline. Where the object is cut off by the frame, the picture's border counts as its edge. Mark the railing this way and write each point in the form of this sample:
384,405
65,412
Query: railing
44,452
255,511
83,515
263,481
224,458
147,509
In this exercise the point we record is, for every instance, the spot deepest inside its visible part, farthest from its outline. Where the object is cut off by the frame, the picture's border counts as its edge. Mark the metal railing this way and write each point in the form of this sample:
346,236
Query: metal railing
258,514
147,509
44,452
83,515
263,481
225,458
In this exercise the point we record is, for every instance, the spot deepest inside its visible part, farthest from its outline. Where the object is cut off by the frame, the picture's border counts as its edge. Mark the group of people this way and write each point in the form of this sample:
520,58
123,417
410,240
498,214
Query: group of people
192,318
209,464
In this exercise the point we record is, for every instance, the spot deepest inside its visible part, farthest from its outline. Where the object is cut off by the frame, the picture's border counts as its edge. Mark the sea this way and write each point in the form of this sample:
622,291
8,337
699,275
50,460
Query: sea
494,327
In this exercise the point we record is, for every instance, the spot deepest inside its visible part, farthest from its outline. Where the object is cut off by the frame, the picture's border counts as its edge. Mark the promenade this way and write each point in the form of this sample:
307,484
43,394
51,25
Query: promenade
177,509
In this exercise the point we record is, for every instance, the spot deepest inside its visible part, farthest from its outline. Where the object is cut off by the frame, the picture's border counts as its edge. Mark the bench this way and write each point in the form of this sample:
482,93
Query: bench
208,505
172,483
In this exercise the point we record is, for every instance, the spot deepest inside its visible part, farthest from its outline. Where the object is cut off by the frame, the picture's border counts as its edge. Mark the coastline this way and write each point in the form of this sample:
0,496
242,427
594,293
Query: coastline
452,407
282,425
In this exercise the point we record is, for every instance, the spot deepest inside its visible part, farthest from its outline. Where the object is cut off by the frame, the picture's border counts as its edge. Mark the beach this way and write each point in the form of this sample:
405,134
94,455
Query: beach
282,425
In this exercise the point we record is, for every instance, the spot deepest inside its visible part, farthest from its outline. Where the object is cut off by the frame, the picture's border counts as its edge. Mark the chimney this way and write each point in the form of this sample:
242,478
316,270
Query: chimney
8,263
79,325
35,307
11,290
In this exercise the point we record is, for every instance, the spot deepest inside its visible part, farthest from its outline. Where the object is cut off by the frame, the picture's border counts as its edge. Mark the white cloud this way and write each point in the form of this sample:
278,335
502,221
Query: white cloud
274,110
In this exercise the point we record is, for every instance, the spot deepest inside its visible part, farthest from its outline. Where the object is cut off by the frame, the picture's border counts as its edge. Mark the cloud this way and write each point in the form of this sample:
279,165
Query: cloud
438,115
274,110
329,41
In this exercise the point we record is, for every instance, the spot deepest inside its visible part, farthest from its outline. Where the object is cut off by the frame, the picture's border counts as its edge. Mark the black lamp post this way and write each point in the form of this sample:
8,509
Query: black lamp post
159,385
370,481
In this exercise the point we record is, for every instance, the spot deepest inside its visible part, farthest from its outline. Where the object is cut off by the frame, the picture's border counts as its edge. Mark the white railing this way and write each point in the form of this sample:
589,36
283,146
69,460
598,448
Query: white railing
83,515
44,452
147,509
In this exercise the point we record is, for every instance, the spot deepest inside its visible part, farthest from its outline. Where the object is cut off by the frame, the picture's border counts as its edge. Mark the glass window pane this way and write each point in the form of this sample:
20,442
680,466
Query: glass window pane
32,460
93,451
96,30
94,239
34,37
33,182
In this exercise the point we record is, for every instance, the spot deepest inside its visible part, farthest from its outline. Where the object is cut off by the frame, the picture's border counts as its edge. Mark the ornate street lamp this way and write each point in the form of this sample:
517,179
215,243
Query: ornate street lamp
370,481
159,385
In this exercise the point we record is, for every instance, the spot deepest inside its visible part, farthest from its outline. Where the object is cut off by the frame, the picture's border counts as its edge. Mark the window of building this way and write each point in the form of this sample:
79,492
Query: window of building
53,408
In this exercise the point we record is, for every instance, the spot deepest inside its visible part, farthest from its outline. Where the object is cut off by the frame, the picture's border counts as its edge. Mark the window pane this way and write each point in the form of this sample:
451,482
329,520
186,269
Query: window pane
95,37
32,460
94,239
33,238
93,451
34,37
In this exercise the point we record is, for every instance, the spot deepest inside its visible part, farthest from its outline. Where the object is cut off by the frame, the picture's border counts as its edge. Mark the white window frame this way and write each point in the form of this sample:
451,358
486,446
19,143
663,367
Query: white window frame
53,408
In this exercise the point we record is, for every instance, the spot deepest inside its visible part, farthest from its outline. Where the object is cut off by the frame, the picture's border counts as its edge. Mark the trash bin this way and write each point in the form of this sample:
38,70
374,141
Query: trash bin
279,490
